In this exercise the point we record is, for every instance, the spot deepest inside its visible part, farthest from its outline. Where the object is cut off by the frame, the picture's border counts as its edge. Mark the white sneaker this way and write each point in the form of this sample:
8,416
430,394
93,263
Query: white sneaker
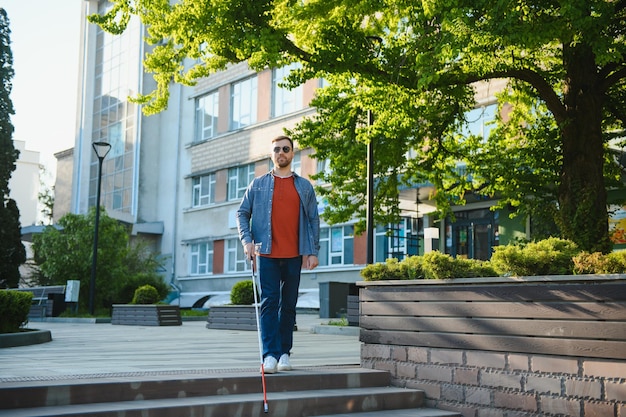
269,365
283,363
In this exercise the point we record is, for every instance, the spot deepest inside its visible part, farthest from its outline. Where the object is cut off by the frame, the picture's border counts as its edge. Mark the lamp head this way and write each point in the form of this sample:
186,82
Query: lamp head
101,149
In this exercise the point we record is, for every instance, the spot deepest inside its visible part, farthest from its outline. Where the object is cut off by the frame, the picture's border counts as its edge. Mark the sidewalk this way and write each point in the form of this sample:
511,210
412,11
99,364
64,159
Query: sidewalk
88,350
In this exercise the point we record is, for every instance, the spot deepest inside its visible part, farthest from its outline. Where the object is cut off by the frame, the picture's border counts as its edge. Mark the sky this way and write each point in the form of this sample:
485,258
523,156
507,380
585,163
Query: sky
45,38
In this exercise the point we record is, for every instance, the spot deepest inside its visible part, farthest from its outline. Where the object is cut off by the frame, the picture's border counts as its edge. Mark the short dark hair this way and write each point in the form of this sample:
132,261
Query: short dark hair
283,137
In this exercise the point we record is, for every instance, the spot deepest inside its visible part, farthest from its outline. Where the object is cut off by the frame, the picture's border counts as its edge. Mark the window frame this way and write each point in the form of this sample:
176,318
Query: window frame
195,254
197,185
201,114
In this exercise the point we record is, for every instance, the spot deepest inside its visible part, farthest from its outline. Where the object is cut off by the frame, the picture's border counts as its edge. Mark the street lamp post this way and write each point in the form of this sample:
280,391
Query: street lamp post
101,149
369,221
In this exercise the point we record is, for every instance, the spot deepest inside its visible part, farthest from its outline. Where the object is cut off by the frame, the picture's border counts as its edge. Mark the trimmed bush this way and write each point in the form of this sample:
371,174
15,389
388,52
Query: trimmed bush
14,308
242,293
552,256
598,263
146,294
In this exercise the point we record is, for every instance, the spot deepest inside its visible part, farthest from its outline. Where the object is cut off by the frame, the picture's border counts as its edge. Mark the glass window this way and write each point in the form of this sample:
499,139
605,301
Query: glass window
235,257
243,103
203,190
296,165
284,100
479,121
336,245
201,258
113,117
207,112
238,180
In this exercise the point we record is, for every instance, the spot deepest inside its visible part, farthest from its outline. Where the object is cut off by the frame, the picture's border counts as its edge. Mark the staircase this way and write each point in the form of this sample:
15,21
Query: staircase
324,391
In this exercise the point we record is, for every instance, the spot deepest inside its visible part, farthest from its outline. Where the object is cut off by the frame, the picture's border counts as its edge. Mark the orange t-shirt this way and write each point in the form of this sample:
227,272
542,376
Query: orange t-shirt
285,218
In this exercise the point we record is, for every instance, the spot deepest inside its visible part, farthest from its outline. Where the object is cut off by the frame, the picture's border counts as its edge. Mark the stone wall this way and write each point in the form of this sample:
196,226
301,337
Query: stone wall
491,384
502,347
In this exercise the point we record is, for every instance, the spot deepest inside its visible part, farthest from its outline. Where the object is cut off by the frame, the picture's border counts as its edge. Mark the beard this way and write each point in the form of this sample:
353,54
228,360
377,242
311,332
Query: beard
283,162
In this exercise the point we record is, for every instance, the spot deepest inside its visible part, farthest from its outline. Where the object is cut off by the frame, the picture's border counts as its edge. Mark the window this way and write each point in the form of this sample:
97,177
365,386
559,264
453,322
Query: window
203,190
207,112
235,257
397,240
323,165
201,258
479,121
284,100
243,103
336,245
296,165
238,180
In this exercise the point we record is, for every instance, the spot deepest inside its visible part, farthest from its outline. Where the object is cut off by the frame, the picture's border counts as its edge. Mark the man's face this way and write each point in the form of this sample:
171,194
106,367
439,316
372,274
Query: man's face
281,158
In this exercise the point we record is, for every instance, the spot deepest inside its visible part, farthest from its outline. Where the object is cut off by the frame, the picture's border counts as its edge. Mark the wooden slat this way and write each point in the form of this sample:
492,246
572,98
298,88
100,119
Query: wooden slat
499,343
498,292
550,310
566,329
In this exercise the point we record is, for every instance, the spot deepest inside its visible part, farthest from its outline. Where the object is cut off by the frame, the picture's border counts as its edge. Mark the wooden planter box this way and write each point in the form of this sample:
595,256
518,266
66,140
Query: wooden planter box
146,315
518,341
564,315
232,317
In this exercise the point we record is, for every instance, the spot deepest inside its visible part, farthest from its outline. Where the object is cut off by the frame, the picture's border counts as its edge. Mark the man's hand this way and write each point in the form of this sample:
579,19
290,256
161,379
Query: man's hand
310,262
249,250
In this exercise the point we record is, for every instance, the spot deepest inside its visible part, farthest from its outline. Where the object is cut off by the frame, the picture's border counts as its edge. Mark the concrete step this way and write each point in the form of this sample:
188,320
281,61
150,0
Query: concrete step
34,393
413,412
281,404
302,392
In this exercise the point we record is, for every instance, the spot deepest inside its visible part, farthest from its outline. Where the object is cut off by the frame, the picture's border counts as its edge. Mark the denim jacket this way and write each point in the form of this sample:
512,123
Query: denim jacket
254,216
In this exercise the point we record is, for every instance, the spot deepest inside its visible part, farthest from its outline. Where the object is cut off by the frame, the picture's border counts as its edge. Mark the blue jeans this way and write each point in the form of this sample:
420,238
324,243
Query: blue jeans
280,281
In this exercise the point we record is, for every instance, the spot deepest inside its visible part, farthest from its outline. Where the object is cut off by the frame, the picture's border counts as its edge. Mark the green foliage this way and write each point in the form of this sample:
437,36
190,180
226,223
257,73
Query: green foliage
437,265
14,307
552,256
12,251
66,255
599,263
389,270
242,293
415,66
146,294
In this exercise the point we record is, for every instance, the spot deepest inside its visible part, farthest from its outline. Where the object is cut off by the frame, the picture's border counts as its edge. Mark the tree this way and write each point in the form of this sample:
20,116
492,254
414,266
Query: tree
414,65
65,254
12,251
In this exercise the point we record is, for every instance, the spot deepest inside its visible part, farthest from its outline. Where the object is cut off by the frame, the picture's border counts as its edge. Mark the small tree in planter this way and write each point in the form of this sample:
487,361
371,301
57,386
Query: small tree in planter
144,310
242,293
146,294
239,315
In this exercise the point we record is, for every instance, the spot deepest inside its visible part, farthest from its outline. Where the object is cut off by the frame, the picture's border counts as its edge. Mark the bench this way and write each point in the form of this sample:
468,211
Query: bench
42,303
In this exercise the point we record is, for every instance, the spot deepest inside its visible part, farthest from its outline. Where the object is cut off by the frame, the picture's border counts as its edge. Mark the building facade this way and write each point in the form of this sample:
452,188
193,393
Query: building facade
177,177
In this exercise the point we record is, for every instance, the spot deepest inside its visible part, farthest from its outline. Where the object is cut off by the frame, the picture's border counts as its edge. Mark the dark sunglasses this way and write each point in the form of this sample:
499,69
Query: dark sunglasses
286,149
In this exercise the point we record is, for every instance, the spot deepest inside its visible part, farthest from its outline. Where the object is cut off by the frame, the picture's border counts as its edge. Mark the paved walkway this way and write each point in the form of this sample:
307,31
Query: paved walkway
89,350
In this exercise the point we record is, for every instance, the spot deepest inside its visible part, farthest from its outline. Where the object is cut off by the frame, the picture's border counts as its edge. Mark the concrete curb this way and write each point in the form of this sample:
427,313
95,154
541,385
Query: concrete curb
336,330
25,338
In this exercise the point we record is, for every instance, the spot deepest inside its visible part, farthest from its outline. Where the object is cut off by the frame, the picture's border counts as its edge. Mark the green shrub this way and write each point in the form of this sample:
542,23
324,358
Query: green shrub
433,265
552,256
242,293
146,294
389,270
14,307
438,265
127,291
599,263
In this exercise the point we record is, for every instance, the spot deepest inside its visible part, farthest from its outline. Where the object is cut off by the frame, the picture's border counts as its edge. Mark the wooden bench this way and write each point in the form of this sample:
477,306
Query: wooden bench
41,305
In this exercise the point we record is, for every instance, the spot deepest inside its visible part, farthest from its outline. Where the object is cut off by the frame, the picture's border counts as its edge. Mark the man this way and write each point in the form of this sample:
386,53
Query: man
278,213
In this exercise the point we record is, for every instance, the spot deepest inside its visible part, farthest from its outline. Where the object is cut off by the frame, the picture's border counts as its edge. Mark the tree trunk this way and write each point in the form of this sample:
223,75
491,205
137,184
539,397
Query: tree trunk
582,192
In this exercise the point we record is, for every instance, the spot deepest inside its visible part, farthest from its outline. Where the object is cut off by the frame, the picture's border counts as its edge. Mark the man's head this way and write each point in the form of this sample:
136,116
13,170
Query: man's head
282,151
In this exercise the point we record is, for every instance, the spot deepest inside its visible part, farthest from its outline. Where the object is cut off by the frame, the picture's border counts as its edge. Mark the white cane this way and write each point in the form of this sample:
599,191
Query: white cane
254,264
